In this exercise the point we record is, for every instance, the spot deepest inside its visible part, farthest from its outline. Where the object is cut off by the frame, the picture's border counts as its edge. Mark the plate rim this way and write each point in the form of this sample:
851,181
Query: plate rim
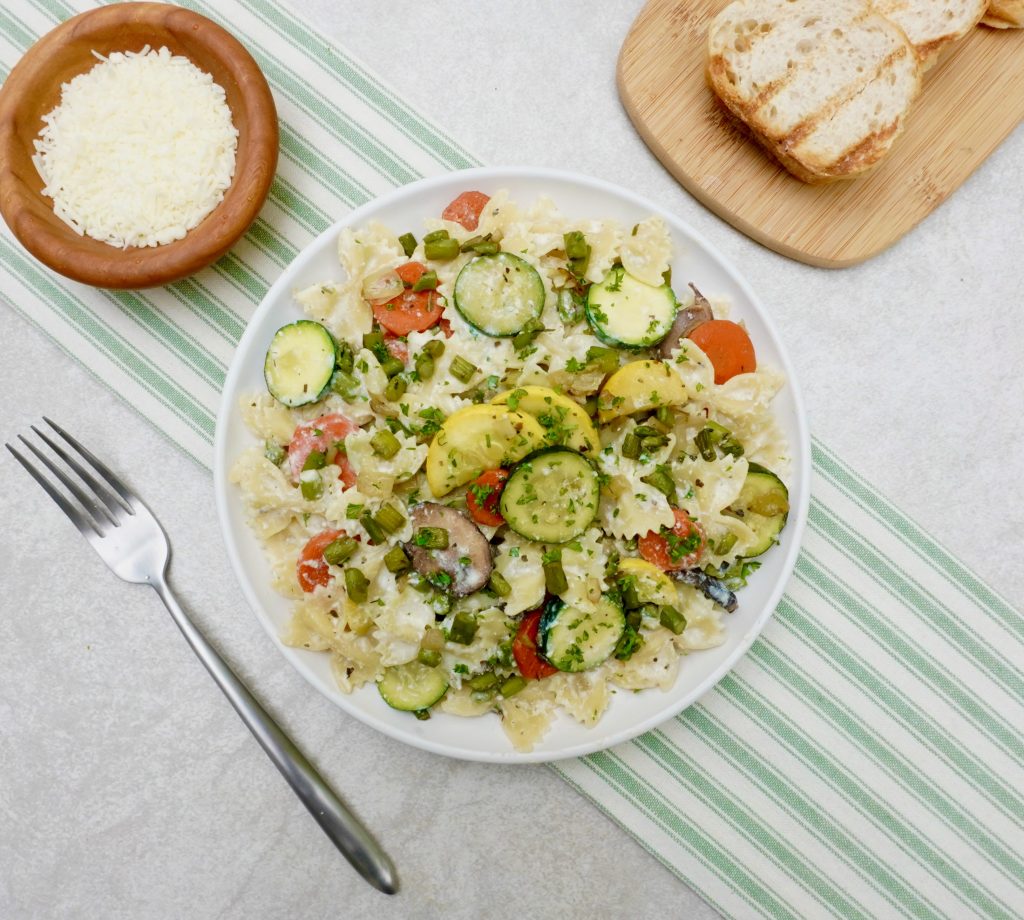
801,449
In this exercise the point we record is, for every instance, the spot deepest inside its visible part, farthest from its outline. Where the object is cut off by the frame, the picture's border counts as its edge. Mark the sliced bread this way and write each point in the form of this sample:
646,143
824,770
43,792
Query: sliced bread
933,25
825,85
1005,14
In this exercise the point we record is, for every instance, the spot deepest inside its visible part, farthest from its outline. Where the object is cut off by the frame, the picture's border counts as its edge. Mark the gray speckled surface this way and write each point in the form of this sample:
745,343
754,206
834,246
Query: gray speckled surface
128,788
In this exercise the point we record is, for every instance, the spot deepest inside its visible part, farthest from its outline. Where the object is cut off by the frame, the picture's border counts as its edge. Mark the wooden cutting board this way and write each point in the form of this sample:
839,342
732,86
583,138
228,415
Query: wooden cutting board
970,102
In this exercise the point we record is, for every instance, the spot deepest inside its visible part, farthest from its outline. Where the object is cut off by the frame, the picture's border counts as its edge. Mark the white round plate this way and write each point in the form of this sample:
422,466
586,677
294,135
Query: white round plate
482,738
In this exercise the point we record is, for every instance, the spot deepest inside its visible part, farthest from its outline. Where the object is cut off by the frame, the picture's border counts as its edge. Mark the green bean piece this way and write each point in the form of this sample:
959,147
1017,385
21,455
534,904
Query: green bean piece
463,628
344,384
396,561
645,431
345,360
576,245
396,388
432,639
725,544
429,657
462,369
340,551
499,584
392,366
673,619
441,250
483,681
422,714
356,584
468,245
590,406
661,480
373,341
434,236
427,282
630,597
487,248
275,453
353,511
605,360
312,487
525,336
650,611
431,538
408,243
512,686
390,518
652,444
372,528
631,446
554,578
628,643
664,415
703,441
634,618
424,366
385,444
434,348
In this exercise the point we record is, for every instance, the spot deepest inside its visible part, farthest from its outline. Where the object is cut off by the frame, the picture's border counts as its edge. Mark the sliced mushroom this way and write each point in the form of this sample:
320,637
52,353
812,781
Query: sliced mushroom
686,321
714,589
466,560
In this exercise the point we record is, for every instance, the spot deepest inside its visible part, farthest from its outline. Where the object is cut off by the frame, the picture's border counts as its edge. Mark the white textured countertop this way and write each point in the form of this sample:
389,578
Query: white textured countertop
128,788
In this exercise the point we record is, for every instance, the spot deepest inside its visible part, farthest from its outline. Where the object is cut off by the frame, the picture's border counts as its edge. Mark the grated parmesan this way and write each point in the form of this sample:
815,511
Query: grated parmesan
139,150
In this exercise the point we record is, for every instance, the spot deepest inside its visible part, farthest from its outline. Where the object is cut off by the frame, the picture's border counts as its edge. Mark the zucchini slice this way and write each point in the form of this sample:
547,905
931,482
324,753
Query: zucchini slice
499,294
763,505
624,311
577,640
551,496
299,363
412,686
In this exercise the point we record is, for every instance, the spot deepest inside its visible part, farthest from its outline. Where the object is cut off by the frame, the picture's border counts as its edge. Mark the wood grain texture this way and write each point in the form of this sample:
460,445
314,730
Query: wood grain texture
970,102
33,89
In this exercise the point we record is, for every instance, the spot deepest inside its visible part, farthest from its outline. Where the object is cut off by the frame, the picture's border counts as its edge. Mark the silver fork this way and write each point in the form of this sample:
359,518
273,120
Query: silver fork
130,540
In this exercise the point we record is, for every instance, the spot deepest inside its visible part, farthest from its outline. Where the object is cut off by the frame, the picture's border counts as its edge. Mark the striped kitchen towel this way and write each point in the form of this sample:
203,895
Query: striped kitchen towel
865,759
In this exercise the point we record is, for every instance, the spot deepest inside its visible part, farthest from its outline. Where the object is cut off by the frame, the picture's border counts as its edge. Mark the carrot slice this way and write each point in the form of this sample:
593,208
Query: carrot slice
466,209
728,347
675,549
311,569
524,649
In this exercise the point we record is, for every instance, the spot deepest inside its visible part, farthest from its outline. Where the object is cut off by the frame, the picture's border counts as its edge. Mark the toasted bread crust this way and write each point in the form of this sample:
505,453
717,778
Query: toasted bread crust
1005,14
856,158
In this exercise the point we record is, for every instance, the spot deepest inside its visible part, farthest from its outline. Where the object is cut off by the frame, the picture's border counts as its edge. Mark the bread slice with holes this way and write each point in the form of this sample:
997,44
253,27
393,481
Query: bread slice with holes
825,85
933,25
1005,14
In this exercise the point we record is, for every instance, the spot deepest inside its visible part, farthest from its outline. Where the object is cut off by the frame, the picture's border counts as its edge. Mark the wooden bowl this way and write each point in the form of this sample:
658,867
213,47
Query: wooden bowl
33,89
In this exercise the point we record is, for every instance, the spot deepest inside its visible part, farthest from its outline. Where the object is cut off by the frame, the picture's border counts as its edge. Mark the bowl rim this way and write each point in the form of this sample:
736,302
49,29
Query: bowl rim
800,449
142,267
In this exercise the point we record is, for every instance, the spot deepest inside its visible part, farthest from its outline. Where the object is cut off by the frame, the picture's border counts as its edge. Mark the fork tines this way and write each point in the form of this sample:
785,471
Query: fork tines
96,507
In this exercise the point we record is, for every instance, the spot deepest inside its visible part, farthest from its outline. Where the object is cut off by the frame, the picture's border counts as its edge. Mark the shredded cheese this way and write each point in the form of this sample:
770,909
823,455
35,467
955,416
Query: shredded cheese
140,149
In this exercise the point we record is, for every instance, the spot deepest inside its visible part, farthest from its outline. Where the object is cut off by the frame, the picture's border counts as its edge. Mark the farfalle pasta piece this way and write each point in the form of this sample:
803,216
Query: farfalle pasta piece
646,253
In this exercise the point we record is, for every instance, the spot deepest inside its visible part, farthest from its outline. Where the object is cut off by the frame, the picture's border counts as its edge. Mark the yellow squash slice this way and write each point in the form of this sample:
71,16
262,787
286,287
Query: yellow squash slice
479,438
639,386
555,412
653,586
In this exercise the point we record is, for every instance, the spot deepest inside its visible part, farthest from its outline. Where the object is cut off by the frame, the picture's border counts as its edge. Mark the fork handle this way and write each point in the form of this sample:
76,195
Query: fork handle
344,829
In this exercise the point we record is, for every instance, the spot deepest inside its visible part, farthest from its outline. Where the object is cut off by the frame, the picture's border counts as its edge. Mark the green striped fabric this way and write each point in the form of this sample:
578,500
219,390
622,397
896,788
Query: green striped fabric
865,759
